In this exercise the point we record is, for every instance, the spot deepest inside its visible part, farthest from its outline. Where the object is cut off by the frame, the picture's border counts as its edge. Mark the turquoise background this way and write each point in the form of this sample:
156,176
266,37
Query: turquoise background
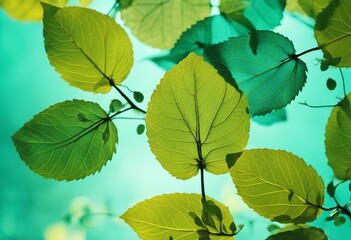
28,84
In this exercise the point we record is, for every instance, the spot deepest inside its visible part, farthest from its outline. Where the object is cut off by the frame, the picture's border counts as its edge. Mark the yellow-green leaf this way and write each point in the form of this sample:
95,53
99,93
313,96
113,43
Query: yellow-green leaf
278,185
313,7
85,3
302,233
179,216
160,23
195,118
88,48
338,139
28,10
67,141
333,33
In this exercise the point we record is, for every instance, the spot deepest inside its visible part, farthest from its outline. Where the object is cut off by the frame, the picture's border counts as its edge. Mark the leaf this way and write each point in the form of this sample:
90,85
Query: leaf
333,33
339,220
310,233
138,96
313,7
140,129
159,23
265,178
195,118
331,84
28,10
338,139
294,6
176,216
271,118
272,78
115,105
56,144
331,189
204,33
273,228
85,3
87,48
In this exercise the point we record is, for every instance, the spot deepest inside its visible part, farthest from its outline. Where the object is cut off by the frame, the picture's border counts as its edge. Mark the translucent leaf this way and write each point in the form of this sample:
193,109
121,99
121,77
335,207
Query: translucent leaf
85,3
115,105
204,33
333,33
160,23
310,233
194,117
56,144
28,10
87,48
294,6
339,220
338,139
272,78
313,7
271,118
177,216
265,178
273,228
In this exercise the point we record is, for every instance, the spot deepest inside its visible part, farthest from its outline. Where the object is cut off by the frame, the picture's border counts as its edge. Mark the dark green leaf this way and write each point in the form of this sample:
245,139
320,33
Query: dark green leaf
339,220
331,84
231,159
271,79
57,144
304,233
138,96
331,189
140,129
115,105
82,117
350,186
273,228
271,118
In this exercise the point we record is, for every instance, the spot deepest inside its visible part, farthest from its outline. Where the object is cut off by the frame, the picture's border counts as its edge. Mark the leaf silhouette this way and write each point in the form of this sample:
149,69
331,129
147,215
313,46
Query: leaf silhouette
28,10
176,216
56,143
333,33
87,48
278,185
307,233
338,139
272,78
272,117
160,23
195,118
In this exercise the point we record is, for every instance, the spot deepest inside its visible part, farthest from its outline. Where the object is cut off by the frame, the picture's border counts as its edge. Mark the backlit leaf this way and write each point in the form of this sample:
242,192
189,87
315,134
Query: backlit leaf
313,7
339,220
177,216
115,105
267,178
85,3
57,144
195,117
310,233
333,32
271,118
272,78
160,23
204,33
87,48
338,139
28,10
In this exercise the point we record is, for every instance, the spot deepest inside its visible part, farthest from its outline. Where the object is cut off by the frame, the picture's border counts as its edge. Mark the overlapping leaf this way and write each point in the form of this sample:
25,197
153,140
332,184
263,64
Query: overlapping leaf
195,118
313,7
271,118
308,233
160,23
87,48
271,78
28,10
179,216
338,139
278,185
333,33
211,30
67,141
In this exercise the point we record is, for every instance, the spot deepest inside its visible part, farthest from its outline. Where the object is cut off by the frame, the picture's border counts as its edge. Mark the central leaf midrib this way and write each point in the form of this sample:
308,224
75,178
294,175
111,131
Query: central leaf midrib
197,123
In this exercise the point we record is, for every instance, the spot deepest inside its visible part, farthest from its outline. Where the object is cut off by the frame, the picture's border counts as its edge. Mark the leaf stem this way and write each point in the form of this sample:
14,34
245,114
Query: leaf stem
343,82
307,51
316,106
203,194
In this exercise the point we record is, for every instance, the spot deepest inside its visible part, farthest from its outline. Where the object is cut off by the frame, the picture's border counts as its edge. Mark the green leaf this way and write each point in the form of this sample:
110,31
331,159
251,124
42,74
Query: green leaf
140,129
265,178
28,10
176,216
115,105
273,228
160,23
57,144
313,7
85,3
338,139
272,78
271,118
195,118
333,33
138,96
331,189
89,49
204,33
233,6
331,84
310,233
339,220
